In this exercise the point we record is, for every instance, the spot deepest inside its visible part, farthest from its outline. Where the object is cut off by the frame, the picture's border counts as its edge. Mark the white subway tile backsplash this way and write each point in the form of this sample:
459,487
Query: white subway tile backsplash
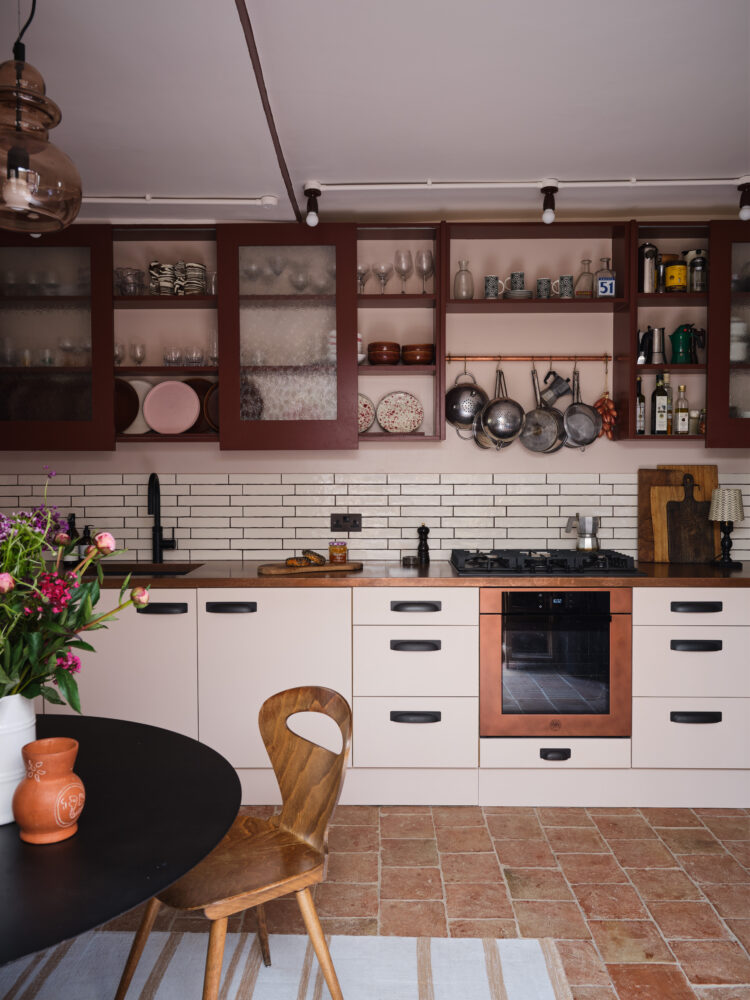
360,478
425,478
465,479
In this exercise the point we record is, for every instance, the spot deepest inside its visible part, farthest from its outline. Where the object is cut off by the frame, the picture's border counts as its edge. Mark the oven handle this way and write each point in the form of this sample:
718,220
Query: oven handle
696,607
555,622
417,606
412,717
416,645
697,645
695,718
555,753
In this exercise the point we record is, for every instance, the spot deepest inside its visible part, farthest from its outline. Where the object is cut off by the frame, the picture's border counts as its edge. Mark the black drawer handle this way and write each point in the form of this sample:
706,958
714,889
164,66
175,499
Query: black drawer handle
416,645
231,607
555,753
416,716
695,718
416,605
697,607
163,608
697,645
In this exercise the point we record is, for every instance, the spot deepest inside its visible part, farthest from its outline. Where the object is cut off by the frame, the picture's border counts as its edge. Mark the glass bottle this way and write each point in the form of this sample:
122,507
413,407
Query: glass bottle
584,286
659,406
702,422
604,279
681,412
670,408
463,283
640,407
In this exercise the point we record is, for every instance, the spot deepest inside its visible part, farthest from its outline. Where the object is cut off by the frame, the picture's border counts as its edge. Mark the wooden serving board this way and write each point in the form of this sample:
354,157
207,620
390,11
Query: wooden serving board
706,479
689,530
652,530
281,569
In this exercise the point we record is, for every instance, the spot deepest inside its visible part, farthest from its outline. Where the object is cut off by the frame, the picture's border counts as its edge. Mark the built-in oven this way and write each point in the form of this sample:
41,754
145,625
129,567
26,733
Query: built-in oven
555,662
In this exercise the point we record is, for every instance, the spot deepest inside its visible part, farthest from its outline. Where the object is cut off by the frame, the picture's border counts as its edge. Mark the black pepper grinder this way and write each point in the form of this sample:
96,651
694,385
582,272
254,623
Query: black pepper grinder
423,549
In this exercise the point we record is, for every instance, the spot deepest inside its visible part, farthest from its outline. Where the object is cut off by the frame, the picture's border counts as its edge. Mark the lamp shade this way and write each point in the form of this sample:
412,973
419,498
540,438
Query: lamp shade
726,505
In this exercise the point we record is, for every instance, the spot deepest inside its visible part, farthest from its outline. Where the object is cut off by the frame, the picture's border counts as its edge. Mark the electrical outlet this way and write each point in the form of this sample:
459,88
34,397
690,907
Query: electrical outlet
346,522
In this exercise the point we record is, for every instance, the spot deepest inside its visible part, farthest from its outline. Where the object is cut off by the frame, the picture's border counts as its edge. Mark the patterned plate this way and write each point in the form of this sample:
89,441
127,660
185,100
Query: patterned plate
400,413
365,413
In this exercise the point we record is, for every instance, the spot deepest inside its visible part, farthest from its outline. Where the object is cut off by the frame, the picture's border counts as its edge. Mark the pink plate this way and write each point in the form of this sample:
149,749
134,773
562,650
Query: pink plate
171,407
400,413
365,413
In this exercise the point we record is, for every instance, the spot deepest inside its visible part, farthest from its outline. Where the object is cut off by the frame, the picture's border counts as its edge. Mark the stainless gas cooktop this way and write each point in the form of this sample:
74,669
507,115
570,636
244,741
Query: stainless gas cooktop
542,562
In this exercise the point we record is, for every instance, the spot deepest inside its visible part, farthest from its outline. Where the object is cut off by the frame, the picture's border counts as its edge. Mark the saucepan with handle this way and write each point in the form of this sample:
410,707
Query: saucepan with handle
543,426
502,419
582,422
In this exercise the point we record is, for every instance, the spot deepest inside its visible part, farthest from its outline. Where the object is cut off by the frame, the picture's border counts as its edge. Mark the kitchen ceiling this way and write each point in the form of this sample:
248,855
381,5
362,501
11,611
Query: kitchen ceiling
161,99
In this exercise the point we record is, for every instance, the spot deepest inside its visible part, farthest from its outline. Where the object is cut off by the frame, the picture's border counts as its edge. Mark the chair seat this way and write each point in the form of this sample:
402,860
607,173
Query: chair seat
255,862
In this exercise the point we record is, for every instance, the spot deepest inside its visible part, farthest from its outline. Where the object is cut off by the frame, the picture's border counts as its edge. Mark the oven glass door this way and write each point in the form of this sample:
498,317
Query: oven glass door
556,664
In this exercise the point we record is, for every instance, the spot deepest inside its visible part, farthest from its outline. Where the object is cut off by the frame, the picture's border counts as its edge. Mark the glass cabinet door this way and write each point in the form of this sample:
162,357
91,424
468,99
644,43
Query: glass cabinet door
728,416
287,328
56,341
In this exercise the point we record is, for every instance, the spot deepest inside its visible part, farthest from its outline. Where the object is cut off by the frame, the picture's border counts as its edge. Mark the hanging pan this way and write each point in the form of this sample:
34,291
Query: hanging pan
542,426
502,419
463,402
582,422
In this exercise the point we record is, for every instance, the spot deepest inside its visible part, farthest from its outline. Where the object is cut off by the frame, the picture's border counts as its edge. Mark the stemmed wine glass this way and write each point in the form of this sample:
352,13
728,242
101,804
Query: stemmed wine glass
138,353
363,273
119,353
404,266
424,265
383,273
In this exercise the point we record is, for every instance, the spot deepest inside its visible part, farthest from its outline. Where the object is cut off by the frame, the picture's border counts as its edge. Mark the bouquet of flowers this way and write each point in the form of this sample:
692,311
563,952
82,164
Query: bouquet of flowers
46,604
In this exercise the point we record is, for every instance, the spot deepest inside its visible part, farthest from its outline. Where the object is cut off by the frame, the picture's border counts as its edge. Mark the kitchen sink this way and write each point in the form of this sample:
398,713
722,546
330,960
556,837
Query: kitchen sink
122,568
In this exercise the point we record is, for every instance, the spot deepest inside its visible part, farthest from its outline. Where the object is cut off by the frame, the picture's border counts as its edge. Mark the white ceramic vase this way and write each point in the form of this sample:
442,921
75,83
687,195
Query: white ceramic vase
17,728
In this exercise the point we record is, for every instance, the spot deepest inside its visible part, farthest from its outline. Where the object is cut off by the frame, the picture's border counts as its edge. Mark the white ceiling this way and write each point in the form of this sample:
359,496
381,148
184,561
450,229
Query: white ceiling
160,98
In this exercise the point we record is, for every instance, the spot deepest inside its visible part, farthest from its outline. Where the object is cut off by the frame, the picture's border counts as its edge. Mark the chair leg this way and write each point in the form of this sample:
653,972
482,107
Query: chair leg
136,949
317,937
260,916
214,958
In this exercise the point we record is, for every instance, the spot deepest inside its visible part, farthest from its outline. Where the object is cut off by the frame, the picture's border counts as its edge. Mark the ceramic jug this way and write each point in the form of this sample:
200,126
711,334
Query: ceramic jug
49,800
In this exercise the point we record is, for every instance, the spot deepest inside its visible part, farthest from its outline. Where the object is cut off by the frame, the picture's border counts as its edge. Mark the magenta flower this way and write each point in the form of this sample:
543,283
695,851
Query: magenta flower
7,583
139,596
105,542
62,538
69,661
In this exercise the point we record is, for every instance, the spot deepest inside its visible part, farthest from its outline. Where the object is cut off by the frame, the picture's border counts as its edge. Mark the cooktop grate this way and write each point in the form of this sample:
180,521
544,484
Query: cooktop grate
541,562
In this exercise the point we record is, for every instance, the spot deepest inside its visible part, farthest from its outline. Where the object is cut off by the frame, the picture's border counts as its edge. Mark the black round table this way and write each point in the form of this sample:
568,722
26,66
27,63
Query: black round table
156,803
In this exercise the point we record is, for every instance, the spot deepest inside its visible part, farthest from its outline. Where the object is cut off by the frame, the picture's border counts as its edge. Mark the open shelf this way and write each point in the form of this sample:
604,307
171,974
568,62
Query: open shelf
46,300
672,299
536,305
396,370
292,297
385,436
168,438
672,369
165,301
391,300
166,370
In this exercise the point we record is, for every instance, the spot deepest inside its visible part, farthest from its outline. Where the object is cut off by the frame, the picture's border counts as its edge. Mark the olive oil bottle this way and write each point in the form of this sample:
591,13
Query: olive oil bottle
659,406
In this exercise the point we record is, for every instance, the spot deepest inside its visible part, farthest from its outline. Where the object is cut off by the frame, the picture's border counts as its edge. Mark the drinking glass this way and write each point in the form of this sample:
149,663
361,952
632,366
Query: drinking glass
138,353
424,264
119,353
383,273
404,265
213,348
193,356
277,263
298,280
363,273
171,356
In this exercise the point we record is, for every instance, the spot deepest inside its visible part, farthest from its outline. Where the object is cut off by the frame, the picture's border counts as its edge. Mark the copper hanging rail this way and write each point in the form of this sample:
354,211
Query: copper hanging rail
602,358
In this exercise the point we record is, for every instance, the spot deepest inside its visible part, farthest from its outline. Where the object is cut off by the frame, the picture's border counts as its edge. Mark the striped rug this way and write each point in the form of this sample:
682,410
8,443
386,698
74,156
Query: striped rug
369,968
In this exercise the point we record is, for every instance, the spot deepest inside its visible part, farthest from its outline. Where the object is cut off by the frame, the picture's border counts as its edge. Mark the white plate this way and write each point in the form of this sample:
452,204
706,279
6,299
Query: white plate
139,425
171,407
400,413
365,412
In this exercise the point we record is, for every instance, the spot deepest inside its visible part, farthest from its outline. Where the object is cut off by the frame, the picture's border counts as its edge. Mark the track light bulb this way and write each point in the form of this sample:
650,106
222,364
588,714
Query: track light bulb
312,193
744,190
548,205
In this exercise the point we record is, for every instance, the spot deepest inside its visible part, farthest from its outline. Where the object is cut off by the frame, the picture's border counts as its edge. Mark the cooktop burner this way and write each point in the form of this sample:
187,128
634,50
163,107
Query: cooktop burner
544,562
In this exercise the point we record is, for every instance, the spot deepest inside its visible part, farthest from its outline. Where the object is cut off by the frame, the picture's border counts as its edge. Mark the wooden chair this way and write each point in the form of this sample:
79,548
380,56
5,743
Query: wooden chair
258,859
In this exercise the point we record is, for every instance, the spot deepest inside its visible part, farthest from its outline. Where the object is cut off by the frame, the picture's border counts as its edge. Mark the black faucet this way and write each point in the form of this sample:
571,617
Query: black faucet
158,541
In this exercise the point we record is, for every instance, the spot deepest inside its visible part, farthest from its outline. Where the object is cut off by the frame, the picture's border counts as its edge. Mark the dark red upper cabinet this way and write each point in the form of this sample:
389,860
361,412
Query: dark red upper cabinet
56,381
287,336
728,389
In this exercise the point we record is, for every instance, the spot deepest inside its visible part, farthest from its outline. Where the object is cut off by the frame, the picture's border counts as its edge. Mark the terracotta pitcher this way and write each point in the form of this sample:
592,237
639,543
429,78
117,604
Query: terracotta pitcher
49,800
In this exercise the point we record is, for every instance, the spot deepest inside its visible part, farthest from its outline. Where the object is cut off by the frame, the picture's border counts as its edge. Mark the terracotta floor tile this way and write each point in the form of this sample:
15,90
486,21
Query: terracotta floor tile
593,993
283,917
664,883
610,902
741,928
612,811
687,920
421,810
650,982
518,810
591,868
525,853
538,919
483,928
715,962
723,993
456,839
719,811
730,900
712,868
474,900
560,816
691,841
186,923
671,817
356,816
624,827
408,851
357,926
407,825
425,919
345,867
575,839
740,849
642,854
262,811
411,883
458,816
729,827
515,826
582,963
631,941
353,838
337,899
131,920
536,883
470,868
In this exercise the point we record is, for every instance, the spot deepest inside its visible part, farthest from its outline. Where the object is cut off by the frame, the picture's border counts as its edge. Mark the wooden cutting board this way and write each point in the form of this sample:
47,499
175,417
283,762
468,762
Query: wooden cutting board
652,530
690,533
706,481
281,569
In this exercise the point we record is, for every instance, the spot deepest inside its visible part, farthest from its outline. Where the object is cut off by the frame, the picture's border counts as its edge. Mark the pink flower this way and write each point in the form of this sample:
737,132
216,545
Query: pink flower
6,583
105,542
61,538
92,550
69,662
139,596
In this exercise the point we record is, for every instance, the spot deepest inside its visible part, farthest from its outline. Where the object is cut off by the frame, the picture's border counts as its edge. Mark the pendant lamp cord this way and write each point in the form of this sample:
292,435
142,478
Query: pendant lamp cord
19,49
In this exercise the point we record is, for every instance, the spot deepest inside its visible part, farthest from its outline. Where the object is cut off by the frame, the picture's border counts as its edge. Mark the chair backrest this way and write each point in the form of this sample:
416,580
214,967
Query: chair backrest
309,776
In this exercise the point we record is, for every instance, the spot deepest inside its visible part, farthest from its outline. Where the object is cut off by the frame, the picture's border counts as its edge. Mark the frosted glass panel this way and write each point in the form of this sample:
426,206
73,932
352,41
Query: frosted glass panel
739,333
292,333
287,270
282,394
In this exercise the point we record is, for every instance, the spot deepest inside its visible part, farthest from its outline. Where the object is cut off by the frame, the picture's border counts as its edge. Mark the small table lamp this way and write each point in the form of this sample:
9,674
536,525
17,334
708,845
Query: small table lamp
726,507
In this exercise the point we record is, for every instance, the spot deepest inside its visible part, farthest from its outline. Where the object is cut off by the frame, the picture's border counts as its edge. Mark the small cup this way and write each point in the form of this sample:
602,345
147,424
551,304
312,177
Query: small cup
517,281
543,288
491,286
564,286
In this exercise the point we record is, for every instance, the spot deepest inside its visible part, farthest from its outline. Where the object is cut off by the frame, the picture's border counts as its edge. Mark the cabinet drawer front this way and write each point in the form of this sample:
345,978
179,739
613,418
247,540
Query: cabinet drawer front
544,752
677,732
432,732
691,661
416,606
691,606
403,660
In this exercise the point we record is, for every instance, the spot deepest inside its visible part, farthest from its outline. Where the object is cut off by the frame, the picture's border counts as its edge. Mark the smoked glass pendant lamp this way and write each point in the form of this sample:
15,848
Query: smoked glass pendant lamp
41,188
